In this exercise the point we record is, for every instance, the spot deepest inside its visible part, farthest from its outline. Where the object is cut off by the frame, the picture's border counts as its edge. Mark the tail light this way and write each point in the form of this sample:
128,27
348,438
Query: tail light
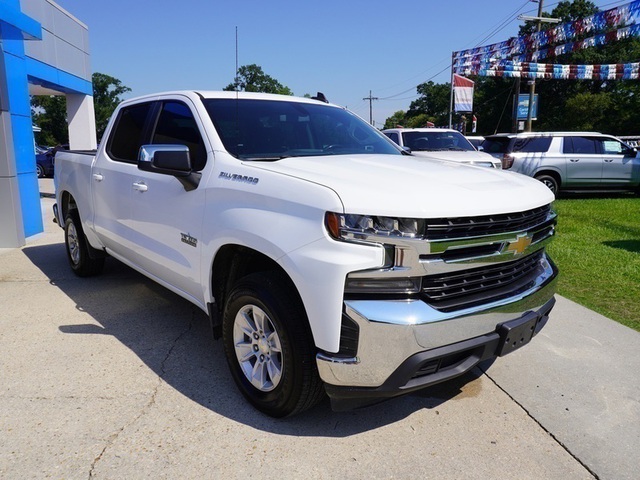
507,161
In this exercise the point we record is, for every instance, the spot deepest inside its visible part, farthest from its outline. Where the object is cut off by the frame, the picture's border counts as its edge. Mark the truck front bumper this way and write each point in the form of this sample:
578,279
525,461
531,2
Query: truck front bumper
405,345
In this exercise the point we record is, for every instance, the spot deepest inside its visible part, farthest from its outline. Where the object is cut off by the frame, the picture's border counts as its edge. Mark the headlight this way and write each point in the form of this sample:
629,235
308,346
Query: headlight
352,227
382,285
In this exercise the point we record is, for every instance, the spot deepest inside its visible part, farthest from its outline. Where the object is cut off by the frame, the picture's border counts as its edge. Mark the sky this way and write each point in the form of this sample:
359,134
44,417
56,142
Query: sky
345,49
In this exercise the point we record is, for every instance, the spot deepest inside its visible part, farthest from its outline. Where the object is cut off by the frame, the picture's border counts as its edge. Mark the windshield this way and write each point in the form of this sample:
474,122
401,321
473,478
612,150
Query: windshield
436,141
273,129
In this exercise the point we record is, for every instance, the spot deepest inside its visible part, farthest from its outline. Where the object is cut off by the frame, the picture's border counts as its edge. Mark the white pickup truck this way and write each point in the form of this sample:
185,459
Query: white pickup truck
327,259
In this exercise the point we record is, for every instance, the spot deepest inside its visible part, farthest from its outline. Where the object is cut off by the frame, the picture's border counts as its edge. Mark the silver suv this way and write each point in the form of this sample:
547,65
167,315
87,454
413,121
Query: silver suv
569,160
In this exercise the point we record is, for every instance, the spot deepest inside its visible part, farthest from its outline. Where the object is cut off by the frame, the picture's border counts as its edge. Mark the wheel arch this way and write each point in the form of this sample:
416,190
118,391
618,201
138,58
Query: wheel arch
551,172
231,263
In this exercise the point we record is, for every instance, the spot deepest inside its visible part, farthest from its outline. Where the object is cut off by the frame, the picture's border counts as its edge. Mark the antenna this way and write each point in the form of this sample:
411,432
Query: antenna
236,79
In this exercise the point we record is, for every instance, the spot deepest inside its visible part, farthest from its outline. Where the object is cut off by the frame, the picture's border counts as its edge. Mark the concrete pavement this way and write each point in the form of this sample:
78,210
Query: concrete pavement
116,377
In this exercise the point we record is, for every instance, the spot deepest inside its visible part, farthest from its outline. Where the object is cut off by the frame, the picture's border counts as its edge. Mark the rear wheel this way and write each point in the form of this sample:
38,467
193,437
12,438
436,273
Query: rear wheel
77,247
268,345
550,182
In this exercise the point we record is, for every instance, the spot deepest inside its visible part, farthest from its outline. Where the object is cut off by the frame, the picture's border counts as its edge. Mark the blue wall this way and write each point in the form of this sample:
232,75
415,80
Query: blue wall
20,70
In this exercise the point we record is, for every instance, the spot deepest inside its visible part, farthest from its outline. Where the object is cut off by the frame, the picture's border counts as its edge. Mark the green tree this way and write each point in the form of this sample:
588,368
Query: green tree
566,10
106,97
395,120
251,78
433,102
50,114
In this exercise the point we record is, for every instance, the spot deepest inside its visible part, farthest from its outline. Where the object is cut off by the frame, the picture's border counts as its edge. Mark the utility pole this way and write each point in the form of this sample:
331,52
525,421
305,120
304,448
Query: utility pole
371,99
532,82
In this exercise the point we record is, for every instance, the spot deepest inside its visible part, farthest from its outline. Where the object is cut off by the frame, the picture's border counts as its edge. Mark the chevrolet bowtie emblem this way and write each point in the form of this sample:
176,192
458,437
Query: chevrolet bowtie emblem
518,246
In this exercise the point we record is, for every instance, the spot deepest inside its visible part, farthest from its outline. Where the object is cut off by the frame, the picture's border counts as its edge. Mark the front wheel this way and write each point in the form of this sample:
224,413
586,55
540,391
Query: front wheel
550,182
268,345
40,171
81,262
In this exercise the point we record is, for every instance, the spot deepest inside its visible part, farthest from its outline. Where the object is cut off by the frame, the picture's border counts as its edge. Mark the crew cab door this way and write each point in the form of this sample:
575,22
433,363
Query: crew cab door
583,161
166,218
620,163
111,178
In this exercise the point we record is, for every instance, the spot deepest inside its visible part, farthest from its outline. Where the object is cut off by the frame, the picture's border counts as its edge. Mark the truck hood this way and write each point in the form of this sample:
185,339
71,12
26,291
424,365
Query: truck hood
411,186
466,156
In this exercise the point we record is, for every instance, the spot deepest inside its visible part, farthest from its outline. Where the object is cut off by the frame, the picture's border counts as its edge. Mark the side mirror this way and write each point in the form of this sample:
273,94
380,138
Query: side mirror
169,160
165,159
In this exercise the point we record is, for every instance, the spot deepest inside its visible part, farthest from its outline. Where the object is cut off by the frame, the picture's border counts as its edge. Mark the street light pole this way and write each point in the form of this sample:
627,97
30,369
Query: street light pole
532,82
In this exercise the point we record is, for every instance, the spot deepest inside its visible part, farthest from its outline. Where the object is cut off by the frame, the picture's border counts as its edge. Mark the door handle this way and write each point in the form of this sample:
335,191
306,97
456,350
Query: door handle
140,186
574,160
608,160
97,177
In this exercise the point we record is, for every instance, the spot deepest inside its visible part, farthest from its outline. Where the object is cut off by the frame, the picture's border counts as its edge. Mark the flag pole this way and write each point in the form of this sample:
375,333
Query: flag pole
451,97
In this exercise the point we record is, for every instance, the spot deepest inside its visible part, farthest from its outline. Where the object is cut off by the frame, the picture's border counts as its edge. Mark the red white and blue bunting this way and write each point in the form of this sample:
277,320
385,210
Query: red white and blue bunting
620,71
537,46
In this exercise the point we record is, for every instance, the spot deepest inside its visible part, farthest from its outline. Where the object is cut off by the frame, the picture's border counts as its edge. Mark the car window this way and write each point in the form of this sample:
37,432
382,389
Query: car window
581,145
531,144
436,141
128,134
495,145
270,130
613,147
177,126
393,136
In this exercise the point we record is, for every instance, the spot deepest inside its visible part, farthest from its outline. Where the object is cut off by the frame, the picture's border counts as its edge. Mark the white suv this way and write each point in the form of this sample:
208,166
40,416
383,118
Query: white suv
569,160
441,144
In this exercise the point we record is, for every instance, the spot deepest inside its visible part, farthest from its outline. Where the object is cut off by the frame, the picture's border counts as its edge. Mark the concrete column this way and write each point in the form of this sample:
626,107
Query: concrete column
82,124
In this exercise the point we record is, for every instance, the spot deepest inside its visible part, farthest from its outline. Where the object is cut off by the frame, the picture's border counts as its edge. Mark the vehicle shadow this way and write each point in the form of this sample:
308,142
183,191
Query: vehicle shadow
172,337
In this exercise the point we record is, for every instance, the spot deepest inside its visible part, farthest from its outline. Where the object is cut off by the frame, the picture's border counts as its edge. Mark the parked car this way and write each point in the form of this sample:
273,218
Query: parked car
45,162
569,160
441,144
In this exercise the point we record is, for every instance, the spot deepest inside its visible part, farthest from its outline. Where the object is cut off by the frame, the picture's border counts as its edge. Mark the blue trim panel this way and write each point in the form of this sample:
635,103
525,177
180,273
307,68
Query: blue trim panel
30,202
42,74
30,29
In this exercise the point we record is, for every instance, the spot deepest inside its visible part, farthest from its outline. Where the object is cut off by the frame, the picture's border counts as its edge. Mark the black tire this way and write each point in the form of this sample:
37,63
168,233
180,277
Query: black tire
266,336
82,264
40,171
551,182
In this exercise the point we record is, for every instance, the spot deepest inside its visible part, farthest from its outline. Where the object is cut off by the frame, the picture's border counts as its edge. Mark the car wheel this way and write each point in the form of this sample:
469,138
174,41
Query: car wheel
40,171
550,182
77,247
269,347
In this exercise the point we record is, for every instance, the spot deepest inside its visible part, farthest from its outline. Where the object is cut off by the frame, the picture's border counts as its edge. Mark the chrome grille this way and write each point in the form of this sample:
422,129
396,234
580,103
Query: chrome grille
464,227
468,288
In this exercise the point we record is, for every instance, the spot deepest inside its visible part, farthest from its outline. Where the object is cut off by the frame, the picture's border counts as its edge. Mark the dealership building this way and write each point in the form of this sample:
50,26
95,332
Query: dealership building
44,50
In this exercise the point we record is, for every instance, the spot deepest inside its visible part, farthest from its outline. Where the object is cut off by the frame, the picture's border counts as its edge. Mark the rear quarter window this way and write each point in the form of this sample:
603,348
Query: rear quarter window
531,144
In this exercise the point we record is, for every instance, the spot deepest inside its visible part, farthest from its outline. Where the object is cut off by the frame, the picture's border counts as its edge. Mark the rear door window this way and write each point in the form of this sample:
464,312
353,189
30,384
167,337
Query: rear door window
581,145
128,135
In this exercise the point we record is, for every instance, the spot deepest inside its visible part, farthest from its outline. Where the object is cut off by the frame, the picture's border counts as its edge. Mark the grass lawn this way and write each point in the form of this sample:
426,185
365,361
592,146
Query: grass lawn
597,249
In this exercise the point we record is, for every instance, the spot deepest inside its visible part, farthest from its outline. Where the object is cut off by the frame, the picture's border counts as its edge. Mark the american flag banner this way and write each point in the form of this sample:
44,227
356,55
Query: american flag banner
621,22
463,93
